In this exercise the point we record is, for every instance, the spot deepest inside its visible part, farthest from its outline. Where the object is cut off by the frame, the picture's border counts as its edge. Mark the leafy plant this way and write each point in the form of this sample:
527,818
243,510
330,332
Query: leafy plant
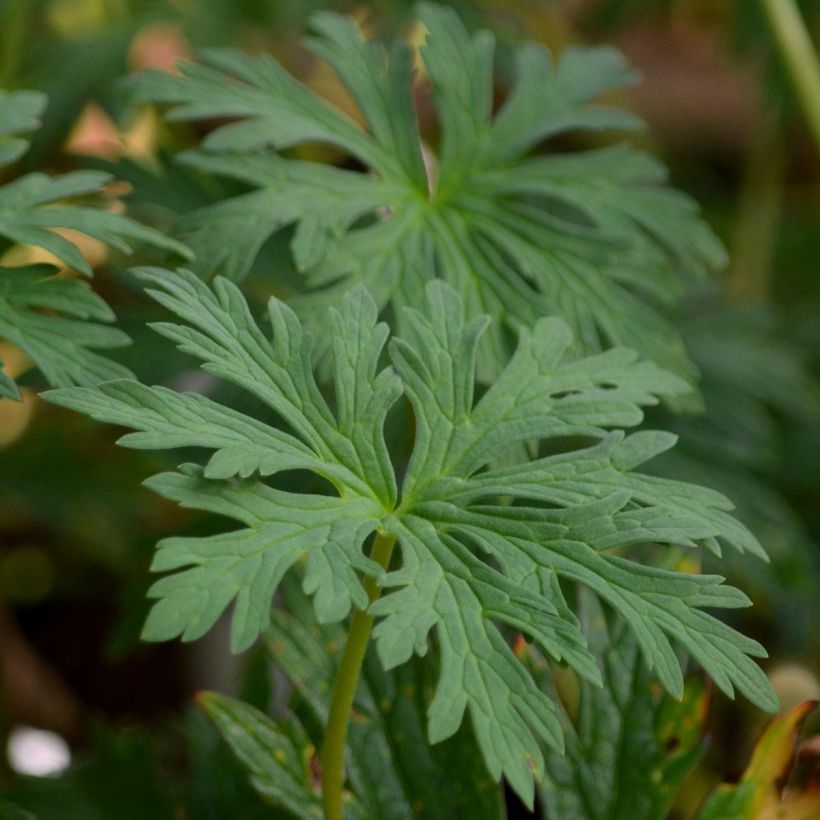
455,480
468,561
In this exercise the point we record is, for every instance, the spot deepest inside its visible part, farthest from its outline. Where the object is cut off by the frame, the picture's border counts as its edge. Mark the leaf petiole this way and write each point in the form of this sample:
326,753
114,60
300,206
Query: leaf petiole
344,687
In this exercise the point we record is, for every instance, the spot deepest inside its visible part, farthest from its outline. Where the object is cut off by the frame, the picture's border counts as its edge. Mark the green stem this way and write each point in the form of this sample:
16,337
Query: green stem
14,30
801,60
755,230
344,688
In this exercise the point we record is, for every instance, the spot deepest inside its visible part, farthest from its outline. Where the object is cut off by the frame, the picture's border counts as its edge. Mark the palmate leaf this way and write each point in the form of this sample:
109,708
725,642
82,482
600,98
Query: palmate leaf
31,207
593,236
482,547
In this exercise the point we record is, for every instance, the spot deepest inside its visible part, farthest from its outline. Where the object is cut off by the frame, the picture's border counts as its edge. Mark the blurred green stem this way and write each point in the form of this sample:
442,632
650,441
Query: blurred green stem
13,34
761,199
792,38
344,689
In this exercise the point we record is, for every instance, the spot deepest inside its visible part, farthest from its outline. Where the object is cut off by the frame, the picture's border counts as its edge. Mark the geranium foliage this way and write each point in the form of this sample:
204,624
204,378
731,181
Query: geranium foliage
482,546
594,236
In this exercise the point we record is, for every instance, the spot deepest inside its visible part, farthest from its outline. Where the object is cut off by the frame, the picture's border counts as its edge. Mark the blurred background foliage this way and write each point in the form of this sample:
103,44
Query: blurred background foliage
76,535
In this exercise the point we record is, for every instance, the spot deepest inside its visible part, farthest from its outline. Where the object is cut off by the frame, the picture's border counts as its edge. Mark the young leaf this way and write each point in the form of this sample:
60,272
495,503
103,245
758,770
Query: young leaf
470,566
31,208
593,236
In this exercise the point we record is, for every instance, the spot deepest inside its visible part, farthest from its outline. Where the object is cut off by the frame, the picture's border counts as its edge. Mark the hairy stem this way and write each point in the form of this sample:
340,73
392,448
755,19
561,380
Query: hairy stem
344,688
801,60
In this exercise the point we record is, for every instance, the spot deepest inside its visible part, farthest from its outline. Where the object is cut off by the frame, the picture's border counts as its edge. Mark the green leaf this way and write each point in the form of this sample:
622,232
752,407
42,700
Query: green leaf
61,345
277,757
391,770
31,208
247,565
483,548
630,745
594,235
19,112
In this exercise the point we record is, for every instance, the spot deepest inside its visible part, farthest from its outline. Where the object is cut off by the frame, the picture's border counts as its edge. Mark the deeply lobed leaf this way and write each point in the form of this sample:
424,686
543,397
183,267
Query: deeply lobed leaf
484,548
593,236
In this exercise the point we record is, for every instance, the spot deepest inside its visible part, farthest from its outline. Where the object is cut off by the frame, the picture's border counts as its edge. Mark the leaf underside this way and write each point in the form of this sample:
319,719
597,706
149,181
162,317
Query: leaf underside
630,744
484,547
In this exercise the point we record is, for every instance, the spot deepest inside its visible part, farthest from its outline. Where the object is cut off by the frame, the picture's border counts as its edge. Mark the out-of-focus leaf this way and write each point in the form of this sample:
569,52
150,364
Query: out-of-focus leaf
760,793
19,113
34,205
754,378
61,345
32,208
593,236
751,375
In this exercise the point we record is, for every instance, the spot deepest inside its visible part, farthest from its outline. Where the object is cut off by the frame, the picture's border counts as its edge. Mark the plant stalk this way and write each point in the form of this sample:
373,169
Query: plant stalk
344,688
13,39
760,207
793,41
